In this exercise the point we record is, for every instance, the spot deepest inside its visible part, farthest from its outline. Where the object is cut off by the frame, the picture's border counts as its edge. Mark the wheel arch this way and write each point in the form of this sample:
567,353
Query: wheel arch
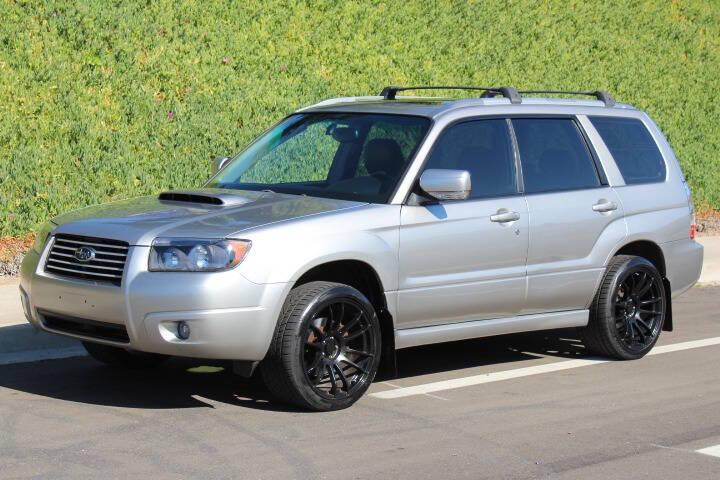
652,252
365,278
646,249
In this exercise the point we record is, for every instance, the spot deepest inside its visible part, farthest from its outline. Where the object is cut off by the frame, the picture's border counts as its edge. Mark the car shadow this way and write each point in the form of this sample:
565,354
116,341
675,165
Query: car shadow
488,351
189,383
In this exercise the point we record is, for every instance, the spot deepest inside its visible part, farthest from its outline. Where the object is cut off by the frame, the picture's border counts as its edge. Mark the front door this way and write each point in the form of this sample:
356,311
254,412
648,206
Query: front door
465,260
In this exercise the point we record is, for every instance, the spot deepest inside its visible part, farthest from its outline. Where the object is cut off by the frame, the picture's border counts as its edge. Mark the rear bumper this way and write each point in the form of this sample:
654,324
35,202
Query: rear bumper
229,316
683,262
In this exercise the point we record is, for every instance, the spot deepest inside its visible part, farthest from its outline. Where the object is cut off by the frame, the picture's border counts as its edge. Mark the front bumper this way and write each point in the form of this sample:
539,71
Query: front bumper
229,316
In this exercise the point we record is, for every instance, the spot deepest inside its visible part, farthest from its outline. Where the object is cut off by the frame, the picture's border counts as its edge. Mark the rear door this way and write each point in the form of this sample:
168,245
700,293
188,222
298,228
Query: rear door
465,259
574,216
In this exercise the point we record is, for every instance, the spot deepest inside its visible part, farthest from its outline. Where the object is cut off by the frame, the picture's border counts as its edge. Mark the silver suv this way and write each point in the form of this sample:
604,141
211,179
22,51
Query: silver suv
363,225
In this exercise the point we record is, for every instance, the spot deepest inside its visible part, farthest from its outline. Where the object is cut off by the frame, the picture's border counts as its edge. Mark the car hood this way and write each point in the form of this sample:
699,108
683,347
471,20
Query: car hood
139,221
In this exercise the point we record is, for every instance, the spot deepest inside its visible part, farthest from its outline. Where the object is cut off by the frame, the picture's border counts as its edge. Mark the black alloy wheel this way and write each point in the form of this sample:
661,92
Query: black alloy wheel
639,309
628,312
339,349
326,348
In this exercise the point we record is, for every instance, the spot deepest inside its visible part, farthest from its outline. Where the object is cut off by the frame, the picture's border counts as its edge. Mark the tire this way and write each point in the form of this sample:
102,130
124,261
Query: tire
326,348
121,357
628,311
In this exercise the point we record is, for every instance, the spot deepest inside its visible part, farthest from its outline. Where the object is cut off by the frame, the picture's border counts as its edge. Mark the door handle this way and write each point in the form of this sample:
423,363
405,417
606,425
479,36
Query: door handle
503,216
604,206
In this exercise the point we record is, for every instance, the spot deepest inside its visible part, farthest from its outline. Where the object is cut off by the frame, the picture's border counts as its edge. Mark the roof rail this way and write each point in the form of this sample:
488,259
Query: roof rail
389,93
601,95
515,96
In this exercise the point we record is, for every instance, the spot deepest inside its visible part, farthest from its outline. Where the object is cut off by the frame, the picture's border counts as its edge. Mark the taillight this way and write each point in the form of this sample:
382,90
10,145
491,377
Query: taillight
693,225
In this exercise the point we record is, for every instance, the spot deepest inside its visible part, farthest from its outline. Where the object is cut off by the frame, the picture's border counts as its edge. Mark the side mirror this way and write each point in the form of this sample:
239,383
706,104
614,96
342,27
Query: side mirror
219,163
446,184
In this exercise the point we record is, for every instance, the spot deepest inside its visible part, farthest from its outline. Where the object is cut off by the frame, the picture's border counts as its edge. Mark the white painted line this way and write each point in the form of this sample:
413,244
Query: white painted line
37,355
527,371
485,378
712,451
675,347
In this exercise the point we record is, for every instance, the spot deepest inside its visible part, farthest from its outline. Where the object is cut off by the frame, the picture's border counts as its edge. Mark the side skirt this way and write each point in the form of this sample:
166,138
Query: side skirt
413,337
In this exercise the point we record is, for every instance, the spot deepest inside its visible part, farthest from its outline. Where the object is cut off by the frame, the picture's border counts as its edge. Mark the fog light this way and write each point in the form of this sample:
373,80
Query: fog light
183,330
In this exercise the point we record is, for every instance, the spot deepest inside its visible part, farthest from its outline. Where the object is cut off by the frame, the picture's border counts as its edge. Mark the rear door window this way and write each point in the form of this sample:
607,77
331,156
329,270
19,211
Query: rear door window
554,155
633,148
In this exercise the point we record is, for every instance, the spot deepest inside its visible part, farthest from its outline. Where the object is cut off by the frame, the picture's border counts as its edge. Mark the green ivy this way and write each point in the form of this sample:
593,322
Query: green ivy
104,100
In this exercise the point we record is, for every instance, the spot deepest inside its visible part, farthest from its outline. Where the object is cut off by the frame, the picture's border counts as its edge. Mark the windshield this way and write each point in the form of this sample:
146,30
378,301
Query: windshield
350,156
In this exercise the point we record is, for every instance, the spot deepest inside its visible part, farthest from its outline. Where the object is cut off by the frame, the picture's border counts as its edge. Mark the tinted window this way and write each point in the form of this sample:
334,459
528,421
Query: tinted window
554,155
301,157
354,156
406,135
634,150
484,149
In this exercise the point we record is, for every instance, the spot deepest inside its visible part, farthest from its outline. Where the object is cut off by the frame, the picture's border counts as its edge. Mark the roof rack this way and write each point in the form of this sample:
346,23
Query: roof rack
515,96
389,93
601,95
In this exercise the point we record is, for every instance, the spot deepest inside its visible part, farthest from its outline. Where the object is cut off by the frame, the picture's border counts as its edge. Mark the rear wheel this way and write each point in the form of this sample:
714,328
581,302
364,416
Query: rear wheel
628,311
121,357
326,348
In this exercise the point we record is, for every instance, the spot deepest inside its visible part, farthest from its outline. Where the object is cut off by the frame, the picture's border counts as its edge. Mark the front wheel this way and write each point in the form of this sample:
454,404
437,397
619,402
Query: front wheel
326,348
628,311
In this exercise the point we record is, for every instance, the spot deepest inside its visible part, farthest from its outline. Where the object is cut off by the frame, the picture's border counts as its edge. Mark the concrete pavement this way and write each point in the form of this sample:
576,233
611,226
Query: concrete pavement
504,407
711,262
10,307
656,418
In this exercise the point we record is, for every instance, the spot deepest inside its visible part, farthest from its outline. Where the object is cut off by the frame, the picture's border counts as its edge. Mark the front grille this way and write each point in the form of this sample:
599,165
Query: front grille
106,262
84,327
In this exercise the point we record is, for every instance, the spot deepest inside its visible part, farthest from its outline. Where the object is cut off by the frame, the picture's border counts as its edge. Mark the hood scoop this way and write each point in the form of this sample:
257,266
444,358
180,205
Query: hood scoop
203,198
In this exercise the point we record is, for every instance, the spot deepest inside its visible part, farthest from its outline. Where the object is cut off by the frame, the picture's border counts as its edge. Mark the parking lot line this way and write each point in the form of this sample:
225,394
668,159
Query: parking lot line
675,347
527,371
712,451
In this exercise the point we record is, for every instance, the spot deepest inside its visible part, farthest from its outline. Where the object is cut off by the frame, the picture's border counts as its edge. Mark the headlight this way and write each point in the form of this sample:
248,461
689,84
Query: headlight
42,236
196,255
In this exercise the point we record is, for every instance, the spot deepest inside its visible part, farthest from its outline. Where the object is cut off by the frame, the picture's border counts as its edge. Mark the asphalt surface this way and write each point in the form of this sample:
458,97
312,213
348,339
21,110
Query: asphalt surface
73,418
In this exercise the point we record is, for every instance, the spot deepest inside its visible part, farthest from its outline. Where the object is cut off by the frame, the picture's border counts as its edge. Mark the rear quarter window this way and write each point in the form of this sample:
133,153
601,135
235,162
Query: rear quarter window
633,148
